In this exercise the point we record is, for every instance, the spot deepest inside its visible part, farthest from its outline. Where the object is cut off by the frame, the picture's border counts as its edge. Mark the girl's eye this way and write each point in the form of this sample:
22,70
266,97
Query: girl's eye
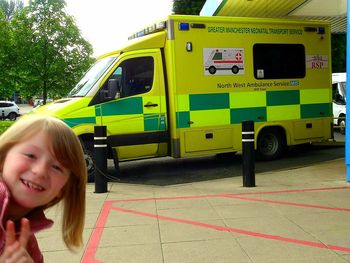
57,168
29,155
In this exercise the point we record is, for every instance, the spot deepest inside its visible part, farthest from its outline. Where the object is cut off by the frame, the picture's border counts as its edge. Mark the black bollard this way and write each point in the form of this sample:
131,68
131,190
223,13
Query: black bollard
100,156
248,154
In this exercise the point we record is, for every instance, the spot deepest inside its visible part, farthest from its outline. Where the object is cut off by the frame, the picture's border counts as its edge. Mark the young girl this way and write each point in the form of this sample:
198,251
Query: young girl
41,164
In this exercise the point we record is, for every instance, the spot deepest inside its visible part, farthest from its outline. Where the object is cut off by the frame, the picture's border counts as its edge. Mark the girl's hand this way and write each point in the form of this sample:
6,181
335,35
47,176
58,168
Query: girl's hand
15,250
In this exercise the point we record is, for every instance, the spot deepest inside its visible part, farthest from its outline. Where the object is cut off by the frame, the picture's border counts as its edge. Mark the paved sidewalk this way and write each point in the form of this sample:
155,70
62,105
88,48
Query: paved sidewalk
24,108
297,215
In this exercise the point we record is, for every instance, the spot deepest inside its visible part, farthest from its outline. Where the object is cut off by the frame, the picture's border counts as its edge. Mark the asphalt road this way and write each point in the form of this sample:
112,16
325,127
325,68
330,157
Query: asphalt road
169,171
339,137
24,108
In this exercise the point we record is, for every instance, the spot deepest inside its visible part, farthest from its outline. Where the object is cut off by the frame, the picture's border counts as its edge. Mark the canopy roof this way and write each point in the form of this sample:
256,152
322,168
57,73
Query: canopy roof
329,10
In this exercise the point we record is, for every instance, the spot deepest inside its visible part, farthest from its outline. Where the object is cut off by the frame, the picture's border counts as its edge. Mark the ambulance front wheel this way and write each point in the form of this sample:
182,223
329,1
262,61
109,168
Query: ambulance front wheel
212,70
270,144
88,147
341,124
235,69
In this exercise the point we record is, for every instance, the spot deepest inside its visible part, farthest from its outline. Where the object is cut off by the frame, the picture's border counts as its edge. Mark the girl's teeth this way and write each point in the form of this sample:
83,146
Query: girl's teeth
33,186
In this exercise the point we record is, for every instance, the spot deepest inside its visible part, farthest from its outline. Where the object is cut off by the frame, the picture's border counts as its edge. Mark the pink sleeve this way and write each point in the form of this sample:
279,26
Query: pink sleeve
34,250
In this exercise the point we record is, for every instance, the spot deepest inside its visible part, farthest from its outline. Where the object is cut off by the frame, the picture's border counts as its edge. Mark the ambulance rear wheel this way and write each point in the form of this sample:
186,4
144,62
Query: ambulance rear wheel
212,70
270,144
235,69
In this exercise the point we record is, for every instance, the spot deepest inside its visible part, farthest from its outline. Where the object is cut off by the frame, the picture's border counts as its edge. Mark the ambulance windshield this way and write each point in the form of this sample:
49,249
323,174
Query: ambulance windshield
91,77
342,86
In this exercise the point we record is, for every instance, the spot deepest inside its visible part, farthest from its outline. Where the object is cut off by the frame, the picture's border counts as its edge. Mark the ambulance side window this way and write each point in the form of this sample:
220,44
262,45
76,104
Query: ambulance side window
279,61
135,76
217,56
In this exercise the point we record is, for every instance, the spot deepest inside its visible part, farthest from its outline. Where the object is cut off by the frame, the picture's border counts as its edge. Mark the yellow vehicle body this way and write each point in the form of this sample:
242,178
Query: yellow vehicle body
201,78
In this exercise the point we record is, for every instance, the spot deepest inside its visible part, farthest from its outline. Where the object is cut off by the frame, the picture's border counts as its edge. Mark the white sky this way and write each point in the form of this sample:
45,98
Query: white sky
107,24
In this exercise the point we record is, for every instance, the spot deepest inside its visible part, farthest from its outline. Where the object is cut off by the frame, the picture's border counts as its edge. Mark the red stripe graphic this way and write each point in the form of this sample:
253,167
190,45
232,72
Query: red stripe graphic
227,61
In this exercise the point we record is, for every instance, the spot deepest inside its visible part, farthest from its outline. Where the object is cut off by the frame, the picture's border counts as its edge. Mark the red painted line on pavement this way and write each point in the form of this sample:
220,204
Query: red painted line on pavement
94,241
167,198
296,191
230,194
234,230
288,203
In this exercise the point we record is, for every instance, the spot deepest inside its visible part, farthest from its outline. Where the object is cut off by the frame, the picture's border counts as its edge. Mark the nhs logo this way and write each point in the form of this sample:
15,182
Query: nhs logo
294,83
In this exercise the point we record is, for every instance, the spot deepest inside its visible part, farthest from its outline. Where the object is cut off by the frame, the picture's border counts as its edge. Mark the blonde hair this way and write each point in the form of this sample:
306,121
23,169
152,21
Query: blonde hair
68,151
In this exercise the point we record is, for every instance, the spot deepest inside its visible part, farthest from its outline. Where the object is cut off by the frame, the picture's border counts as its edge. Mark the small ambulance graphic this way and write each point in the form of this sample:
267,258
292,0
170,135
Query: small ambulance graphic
229,60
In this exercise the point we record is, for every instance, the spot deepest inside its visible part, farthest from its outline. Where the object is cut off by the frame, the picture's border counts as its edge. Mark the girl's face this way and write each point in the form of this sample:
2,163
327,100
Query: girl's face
33,174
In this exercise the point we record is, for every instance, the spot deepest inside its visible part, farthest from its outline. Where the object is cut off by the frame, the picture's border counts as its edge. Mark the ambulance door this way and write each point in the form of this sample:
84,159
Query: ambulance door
134,120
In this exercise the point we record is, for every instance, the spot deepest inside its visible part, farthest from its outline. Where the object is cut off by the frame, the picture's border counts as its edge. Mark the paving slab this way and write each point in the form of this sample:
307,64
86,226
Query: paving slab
295,215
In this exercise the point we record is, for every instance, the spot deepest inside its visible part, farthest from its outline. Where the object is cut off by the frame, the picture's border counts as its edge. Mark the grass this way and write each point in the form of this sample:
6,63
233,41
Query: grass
4,125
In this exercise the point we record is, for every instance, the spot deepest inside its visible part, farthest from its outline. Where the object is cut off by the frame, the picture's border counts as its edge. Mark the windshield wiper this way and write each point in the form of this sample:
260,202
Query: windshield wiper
75,96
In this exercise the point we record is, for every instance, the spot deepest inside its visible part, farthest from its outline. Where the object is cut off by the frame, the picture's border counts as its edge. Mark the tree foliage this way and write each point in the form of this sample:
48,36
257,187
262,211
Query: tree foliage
43,51
338,52
10,8
6,56
57,52
188,7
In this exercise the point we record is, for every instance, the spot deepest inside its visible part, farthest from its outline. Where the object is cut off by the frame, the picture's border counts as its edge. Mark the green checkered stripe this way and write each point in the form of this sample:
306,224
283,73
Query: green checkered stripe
260,106
73,122
119,108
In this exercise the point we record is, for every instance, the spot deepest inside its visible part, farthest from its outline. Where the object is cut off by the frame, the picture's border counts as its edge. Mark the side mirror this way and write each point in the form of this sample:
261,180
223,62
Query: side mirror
111,91
112,87
339,99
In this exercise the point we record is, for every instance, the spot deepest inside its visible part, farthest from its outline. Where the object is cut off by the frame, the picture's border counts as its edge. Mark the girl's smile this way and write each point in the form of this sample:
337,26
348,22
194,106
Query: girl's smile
32,186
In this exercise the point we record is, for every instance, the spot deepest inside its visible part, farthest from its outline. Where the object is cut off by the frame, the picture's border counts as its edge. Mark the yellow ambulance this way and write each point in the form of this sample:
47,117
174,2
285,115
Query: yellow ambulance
183,86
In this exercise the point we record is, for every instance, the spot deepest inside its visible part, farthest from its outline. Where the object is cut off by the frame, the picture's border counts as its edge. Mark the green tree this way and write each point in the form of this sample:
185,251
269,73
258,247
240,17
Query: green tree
24,77
338,52
51,53
10,8
6,89
188,7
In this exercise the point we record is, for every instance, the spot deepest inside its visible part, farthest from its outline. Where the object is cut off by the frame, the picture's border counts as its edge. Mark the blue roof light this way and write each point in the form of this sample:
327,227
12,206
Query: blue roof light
184,26
321,30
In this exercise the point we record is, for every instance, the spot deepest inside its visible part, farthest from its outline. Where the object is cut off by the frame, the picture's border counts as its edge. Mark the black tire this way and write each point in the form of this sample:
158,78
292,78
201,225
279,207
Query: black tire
88,147
12,116
212,70
341,125
235,69
270,144
116,162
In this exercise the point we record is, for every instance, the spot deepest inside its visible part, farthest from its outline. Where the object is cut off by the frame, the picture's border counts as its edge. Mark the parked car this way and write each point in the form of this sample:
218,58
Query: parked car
339,100
9,110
